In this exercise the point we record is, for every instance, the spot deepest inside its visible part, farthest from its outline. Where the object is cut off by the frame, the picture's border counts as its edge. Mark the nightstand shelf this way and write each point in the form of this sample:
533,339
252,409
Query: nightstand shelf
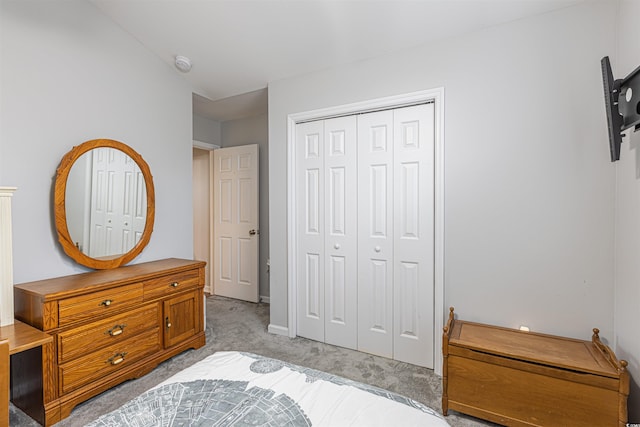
25,343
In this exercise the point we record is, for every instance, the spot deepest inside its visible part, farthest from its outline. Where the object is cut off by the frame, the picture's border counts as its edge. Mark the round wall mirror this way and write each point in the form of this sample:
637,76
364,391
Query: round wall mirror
104,204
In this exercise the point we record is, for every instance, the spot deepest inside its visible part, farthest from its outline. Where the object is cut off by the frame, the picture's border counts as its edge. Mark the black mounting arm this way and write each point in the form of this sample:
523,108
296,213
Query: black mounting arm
622,103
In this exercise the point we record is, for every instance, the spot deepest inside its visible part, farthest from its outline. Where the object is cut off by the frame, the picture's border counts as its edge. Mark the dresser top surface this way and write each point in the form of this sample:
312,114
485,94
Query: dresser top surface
568,353
81,282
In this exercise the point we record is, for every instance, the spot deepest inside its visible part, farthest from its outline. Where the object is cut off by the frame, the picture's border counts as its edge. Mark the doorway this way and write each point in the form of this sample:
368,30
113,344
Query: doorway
226,219
235,222
202,199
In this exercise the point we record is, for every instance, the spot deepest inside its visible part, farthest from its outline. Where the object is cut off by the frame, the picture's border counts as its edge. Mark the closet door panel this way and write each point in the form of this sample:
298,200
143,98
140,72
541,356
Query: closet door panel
310,207
341,280
375,233
365,227
413,234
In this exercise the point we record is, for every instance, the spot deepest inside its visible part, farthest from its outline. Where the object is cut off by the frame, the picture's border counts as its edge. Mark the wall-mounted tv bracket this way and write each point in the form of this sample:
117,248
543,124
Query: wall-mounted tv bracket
622,103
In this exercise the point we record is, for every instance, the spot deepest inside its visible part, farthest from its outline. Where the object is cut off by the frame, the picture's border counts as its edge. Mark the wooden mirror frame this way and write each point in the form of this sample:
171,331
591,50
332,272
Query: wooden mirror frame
60,211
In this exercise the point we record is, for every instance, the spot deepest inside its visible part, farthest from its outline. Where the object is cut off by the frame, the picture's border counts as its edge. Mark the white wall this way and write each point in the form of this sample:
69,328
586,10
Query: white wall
207,130
627,249
255,130
68,74
528,183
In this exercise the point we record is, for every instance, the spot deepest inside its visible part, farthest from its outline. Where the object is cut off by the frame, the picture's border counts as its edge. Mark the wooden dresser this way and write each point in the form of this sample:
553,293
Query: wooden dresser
109,326
519,378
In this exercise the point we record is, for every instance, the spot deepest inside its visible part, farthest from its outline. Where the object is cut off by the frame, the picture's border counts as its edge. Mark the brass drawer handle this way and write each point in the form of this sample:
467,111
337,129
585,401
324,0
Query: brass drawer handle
106,302
116,330
168,323
117,358
175,284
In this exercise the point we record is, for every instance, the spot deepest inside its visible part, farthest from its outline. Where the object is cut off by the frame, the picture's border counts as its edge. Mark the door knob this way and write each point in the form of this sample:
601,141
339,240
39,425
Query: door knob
254,232
377,249
337,246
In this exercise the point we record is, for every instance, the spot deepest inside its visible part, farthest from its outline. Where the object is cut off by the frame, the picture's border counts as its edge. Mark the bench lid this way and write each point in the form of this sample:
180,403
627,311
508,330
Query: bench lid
576,355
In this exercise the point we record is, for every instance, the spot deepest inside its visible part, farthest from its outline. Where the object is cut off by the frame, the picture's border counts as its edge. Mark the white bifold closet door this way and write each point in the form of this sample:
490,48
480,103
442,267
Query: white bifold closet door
365,207
396,234
327,231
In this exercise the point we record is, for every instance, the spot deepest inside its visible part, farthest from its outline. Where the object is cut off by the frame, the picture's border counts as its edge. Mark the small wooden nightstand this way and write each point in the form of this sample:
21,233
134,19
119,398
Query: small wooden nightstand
25,342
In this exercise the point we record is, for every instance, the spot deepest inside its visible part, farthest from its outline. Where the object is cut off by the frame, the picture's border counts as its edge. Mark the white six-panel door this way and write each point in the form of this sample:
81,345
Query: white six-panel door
365,194
375,233
413,246
340,246
235,269
310,174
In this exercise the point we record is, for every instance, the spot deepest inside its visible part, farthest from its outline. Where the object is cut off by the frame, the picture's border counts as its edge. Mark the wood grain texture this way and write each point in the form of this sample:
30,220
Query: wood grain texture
518,394
445,362
54,289
534,347
134,370
60,213
171,284
98,303
74,342
523,378
97,346
49,315
4,382
181,318
23,337
102,362
49,376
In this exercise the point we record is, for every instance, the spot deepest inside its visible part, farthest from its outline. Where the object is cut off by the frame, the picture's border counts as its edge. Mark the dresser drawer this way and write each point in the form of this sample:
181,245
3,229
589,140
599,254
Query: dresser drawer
97,303
107,360
74,342
171,284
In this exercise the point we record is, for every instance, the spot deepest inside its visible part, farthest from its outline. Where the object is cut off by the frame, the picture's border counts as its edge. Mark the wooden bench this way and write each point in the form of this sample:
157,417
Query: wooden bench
519,378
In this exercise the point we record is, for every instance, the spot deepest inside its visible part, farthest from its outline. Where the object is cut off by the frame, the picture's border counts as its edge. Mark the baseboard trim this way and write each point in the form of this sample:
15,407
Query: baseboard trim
266,300
278,330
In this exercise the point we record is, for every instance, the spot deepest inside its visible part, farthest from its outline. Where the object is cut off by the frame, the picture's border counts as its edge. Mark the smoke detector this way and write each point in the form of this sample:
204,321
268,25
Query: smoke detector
183,63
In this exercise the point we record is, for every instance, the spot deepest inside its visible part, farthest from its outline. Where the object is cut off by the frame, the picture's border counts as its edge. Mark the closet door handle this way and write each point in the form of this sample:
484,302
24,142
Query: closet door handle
377,249
337,246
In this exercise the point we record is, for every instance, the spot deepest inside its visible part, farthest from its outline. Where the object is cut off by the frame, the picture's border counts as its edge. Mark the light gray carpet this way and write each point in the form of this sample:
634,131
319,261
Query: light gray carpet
241,326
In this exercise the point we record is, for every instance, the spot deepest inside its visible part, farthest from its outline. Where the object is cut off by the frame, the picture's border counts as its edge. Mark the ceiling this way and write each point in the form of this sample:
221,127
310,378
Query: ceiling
238,46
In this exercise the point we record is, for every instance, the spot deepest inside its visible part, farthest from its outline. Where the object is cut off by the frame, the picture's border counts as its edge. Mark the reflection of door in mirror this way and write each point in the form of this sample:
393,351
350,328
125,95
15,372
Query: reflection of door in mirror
106,204
118,203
